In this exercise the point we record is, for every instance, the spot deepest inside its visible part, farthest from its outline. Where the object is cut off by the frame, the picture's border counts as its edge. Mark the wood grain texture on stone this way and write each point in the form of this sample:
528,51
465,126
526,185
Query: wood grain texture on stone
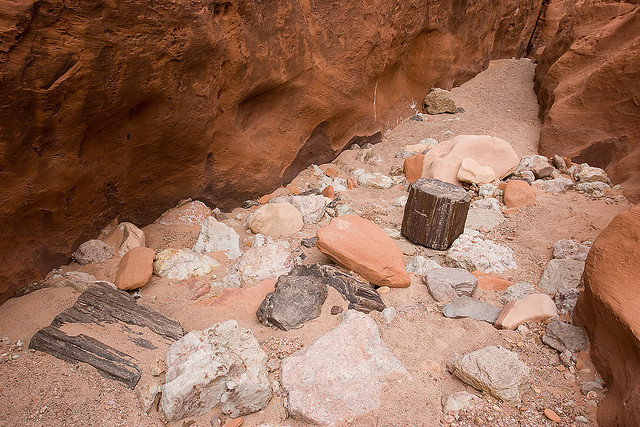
102,304
241,96
435,213
110,362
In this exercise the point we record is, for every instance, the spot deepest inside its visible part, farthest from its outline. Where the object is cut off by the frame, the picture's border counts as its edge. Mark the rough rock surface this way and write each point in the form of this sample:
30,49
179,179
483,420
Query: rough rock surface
97,107
220,365
565,336
92,252
216,236
475,253
445,284
182,264
259,263
295,300
339,376
192,213
361,245
609,310
588,84
311,207
492,369
444,160
465,306
135,268
439,101
561,274
565,248
516,292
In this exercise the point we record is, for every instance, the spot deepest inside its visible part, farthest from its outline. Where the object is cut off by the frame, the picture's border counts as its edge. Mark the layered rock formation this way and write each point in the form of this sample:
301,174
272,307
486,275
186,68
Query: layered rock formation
120,110
609,309
588,84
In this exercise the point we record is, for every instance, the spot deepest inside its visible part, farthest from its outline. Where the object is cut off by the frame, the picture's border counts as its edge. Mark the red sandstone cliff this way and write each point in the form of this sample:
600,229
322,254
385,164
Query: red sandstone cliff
609,309
588,84
120,109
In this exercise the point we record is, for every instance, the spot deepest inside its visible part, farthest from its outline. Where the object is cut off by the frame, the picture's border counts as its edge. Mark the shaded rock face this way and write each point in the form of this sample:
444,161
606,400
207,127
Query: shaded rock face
588,85
609,310
122,110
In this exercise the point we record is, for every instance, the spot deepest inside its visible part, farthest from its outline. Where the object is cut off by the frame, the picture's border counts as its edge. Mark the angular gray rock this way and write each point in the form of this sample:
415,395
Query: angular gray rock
569,249
516,292
465,306
591,187
460,400
445,284
439,101
492,369
339,376
222,365
564,336
216,236
474,253
561,274
556,185
295,300
566,300
93,252
591,174
488,203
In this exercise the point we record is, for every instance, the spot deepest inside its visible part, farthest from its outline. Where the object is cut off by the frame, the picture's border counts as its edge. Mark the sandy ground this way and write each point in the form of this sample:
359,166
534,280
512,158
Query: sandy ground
39,390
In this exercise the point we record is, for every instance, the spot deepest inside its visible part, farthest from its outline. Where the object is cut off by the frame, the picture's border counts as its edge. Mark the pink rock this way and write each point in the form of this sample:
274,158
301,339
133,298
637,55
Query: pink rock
135,268
193,213
531,308
412,167
360,245
245,299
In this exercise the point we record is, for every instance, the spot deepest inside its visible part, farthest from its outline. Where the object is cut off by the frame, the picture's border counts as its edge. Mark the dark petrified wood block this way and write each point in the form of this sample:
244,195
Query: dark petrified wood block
435,213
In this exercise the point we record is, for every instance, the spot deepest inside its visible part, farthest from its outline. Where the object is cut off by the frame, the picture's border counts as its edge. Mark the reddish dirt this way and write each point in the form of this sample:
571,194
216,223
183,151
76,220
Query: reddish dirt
38,389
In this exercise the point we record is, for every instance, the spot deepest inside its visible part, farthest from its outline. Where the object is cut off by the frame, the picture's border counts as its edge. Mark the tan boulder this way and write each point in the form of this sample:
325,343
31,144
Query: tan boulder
532,308
361,245
518,193
444,160
275,219
416,148
609,310
472,172
192,213
135,268
412,167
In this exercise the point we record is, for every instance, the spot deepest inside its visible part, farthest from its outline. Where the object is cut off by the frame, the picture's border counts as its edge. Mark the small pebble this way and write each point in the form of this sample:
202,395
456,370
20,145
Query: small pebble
552,415
581,419
17,356
384,290
561,368
336,309
592,395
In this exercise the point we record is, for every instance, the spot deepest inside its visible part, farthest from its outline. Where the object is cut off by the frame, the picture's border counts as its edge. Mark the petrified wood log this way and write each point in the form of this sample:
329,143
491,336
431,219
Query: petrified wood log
102,303
362,296
110,362
435,213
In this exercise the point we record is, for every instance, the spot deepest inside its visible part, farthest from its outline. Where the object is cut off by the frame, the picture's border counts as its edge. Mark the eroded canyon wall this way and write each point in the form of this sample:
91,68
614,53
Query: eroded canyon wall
114,109
588,84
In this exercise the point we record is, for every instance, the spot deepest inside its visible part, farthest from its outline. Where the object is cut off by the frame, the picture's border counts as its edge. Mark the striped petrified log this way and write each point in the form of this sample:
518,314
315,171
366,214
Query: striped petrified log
435,213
